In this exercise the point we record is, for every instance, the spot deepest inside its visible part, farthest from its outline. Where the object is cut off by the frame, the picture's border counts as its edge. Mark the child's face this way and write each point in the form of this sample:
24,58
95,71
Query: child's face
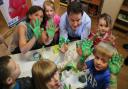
100,61
49,11
54,83
37,15
74,20
102,26
14,69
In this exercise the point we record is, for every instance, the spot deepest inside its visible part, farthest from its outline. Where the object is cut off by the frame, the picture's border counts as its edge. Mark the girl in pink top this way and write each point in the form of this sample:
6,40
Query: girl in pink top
52,20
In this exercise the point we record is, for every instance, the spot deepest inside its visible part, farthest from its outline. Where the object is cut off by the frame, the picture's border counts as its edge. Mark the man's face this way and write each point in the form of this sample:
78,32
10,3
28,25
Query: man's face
74,20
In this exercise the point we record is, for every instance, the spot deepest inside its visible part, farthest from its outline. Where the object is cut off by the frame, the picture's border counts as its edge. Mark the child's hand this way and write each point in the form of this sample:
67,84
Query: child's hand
81,66
64,48
51,29
116,63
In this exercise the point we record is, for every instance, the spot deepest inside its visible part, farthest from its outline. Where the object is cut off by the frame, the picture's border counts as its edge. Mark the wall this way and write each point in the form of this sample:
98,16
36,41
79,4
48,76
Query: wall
2,20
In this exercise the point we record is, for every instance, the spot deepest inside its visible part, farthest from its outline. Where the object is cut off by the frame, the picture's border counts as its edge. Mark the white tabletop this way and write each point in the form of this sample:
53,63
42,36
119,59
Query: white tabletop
26,60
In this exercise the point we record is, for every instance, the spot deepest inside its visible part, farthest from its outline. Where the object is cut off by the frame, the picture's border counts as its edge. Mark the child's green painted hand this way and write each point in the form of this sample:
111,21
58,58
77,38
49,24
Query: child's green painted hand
36,29
115,63
51,29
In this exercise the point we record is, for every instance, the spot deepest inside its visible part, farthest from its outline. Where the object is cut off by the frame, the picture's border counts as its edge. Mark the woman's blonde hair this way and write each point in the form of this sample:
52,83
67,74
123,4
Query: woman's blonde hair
49,3
106,49
42,72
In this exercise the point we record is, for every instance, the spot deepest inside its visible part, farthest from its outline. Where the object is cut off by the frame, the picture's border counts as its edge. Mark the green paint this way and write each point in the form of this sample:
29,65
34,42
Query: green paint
115,63
62,40
36,28
67,87
86,46
51,28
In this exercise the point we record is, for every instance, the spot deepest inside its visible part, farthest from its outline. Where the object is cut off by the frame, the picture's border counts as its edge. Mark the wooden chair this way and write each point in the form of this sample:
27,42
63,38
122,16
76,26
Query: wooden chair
2,40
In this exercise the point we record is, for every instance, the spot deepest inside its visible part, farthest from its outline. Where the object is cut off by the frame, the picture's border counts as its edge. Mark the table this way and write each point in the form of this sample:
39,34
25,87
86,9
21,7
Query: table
26,60
52,53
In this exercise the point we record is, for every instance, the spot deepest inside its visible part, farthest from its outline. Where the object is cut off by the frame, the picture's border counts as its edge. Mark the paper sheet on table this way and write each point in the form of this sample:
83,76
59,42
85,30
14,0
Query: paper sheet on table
25,68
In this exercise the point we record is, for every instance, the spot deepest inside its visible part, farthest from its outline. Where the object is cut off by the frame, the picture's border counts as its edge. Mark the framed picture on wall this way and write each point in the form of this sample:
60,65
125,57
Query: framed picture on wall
13,11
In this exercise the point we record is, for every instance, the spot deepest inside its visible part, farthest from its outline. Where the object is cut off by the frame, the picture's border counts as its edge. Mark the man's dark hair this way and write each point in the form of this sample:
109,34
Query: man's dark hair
75,7
4,71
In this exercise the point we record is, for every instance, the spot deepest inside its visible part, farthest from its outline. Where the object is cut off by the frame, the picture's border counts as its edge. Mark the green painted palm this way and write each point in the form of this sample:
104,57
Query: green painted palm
62,40
51,28
36,28
115,63
86,46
